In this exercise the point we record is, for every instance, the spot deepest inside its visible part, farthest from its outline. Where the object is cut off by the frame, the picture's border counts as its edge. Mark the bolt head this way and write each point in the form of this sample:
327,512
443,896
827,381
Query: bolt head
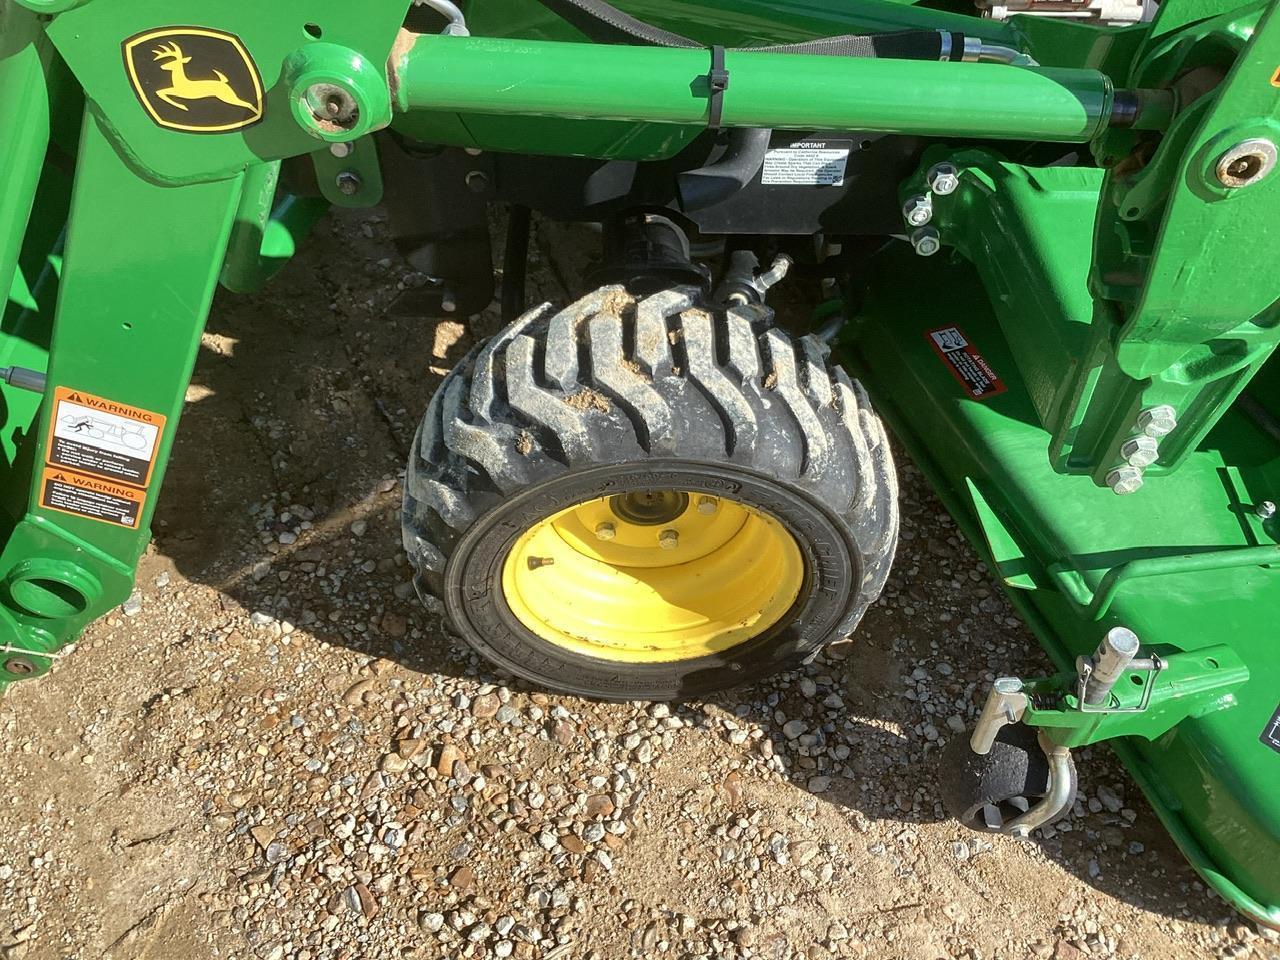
1158,421
349,183
1125,480
20,666
477,181
918,210
342,149
707,505
1140,451
1265,510
606,531
1246,163
668,539
926,240
943,178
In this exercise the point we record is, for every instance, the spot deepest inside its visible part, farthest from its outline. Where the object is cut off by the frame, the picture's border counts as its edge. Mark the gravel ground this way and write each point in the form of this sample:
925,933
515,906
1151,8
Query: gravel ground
274,751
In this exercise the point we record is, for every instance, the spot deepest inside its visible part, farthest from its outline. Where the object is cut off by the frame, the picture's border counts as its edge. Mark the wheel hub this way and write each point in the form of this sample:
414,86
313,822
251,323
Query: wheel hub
653,576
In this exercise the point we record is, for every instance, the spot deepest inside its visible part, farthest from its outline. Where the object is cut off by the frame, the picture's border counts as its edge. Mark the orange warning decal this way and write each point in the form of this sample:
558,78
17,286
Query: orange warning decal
91,434
81,496
1275,78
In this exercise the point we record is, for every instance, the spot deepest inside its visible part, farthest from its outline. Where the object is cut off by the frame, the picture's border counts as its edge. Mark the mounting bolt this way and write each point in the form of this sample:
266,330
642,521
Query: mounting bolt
20,666
1265,510
537,562
918,210
606,530
342,149
1125,480
477,181
943,178
668,539
1246,163
332,104
1140,451
448,303
926,240
349,182
707,505
1158,421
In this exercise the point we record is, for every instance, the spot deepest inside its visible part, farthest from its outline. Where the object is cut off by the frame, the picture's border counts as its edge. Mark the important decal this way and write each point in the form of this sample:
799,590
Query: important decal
90,497
1271,732
194,79
94,435
813,163
966,364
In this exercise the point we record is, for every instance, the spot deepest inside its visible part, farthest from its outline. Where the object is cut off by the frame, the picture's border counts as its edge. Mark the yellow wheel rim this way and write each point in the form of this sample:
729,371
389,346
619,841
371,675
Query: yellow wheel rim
653,576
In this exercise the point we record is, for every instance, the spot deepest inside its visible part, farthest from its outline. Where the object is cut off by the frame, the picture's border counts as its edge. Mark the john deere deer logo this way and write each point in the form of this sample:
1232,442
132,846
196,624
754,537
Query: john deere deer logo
194,78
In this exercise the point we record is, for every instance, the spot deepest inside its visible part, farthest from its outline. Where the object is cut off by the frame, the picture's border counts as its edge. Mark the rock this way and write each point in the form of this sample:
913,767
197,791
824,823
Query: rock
132,606
358,528
449,755
562,732
819,784
263,835
431,922
731,786
462,878
599,805
356,693
485,706
1109,799
793,728
409,747
393,763
573,844
395,625
803,851
1065,951
367,902
506,713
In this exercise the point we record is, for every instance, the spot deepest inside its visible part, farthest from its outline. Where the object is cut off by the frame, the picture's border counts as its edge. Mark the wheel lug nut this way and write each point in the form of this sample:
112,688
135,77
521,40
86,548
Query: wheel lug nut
668,539
606,530
707,505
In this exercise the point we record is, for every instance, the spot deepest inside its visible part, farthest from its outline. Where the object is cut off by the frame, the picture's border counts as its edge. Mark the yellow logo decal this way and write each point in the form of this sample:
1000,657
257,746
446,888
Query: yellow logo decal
194,78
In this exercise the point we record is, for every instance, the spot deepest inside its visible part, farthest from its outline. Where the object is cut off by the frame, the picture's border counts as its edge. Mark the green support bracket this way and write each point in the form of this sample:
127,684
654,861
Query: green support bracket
1144,703
349,174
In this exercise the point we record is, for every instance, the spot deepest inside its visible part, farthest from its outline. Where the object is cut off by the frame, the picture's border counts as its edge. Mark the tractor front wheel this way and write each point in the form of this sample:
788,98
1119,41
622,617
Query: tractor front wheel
650,499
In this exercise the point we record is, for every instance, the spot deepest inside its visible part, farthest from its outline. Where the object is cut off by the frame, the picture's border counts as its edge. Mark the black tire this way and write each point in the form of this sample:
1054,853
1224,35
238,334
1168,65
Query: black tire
610,395
986,793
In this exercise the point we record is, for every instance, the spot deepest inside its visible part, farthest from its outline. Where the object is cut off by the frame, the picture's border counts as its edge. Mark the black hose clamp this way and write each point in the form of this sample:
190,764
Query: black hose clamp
717,84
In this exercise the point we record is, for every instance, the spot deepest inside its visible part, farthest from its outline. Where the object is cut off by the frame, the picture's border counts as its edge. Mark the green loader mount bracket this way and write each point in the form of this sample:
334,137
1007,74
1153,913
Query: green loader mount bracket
1069,317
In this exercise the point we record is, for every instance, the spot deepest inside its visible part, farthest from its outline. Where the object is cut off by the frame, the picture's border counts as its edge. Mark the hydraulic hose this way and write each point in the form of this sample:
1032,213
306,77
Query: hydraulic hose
707,186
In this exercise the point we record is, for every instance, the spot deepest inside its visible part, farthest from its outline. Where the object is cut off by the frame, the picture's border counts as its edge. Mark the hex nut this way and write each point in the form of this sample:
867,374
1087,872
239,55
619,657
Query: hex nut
926,240
918,210
943,178
668,539
1140,451
1158,421
707,505
1265,510
342,149
349,183
1124,480
606,530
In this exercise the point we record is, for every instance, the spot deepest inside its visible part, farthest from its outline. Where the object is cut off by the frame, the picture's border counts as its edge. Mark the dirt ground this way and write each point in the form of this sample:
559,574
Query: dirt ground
274,751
